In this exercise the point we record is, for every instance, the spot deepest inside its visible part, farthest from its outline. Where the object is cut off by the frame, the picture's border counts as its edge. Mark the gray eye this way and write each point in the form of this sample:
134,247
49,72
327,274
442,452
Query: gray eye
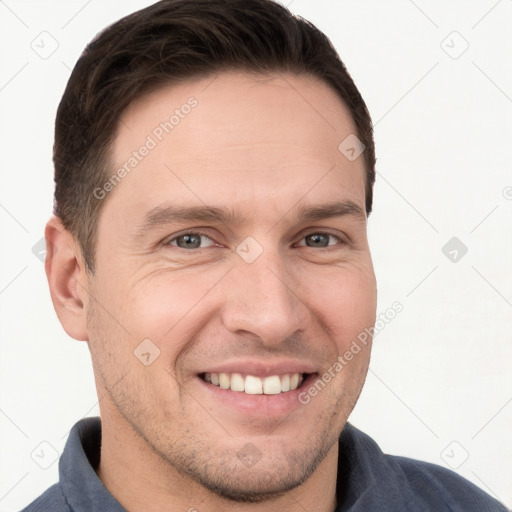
188,241
192,240
317,240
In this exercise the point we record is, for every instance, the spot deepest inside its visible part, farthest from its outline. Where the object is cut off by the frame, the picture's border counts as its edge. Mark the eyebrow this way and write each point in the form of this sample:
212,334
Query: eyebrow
169,214
329,210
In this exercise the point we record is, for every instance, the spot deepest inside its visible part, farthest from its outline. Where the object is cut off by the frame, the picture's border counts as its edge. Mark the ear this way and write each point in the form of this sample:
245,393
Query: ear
67,279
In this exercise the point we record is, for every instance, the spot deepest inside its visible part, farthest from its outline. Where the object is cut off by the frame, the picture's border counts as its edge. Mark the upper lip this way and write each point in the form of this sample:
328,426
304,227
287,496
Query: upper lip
260,367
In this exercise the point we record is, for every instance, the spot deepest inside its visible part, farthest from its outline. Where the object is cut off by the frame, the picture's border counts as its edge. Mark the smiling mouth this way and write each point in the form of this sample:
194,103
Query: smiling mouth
252,385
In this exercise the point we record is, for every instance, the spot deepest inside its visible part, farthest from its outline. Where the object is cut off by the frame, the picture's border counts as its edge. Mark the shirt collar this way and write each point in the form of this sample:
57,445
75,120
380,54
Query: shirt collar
367,479
82,488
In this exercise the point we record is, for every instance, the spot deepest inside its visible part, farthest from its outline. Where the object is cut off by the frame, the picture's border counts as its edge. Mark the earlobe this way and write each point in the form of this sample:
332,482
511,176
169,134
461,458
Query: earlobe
66,278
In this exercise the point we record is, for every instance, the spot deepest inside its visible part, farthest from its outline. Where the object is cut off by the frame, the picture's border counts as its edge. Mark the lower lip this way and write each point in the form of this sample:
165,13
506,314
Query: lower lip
258,405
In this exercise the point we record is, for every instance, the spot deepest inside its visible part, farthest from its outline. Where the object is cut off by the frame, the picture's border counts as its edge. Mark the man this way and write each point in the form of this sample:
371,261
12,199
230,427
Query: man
214,165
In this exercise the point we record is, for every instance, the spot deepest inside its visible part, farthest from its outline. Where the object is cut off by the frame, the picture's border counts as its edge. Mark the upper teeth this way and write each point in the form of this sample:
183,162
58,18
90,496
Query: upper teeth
252,385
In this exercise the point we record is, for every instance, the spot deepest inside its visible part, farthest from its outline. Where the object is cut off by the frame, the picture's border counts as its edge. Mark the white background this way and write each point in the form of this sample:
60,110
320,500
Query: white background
440,383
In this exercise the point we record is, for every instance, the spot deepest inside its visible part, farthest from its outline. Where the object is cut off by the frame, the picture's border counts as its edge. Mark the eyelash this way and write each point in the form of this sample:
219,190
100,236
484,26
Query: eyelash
202,233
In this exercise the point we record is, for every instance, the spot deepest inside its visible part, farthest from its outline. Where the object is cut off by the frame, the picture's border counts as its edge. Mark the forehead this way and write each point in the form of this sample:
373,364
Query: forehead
238,139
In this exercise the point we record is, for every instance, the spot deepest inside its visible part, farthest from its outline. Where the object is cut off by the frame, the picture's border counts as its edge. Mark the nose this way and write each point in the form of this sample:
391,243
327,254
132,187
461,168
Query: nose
264,301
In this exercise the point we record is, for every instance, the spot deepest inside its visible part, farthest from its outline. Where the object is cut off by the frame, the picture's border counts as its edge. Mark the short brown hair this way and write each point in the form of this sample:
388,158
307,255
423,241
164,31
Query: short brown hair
164,44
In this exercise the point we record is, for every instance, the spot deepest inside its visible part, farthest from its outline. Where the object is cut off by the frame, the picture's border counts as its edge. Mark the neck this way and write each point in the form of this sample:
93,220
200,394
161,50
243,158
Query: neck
132,472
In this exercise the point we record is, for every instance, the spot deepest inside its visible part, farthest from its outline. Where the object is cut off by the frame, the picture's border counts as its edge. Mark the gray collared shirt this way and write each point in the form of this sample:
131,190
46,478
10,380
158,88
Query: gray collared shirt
368,480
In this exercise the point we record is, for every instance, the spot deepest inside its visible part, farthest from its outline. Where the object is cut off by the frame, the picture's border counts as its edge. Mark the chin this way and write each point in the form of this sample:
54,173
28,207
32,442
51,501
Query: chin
254,486
230,480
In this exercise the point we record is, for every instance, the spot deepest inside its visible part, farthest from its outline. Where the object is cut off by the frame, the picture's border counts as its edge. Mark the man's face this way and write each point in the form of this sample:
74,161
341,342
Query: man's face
267,293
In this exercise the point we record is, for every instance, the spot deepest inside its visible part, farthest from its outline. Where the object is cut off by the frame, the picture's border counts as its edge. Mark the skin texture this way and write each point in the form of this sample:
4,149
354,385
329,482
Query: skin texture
264,146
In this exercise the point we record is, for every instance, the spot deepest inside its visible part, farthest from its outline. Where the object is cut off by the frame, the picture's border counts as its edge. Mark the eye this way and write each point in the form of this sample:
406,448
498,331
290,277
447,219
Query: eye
191,240
318,239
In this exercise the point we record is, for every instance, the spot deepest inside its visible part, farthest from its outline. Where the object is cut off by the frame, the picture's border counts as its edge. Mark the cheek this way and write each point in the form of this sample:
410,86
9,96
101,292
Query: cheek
164,306
127,356
344,299
345,304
